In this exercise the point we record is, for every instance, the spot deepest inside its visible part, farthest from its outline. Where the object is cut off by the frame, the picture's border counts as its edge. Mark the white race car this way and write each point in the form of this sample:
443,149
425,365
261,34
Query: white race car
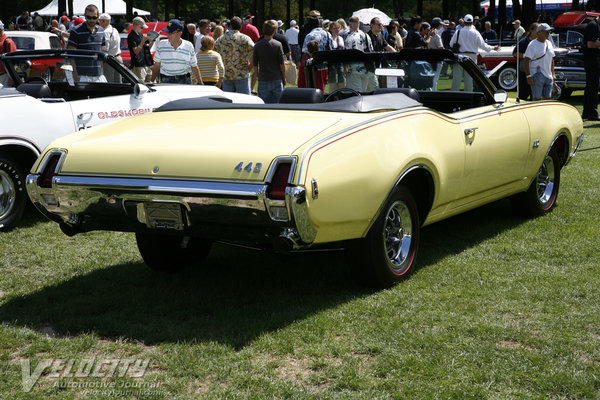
57,92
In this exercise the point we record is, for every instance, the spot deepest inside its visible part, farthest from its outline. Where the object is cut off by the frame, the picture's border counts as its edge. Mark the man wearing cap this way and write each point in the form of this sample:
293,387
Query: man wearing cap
249,29
139,49
175,57
519,30
471,43
292,37
112,46
88,36
591,52
6,46
539,64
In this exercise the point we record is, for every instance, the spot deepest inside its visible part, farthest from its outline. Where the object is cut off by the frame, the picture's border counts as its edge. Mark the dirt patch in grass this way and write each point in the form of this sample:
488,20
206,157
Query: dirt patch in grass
514,345
295,369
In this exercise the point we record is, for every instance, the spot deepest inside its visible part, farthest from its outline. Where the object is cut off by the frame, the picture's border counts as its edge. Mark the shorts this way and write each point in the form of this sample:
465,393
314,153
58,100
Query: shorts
542,86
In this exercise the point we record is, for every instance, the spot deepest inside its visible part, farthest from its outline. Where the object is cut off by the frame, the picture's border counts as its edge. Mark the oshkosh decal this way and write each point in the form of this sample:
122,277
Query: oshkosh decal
123,113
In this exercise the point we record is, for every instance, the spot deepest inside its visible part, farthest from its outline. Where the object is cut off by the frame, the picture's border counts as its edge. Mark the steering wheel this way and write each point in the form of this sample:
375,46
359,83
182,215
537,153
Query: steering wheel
36,79
335,95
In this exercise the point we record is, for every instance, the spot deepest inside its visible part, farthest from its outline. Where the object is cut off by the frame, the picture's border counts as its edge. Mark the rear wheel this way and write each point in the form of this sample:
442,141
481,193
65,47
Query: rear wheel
388,252
541,196
171,253
12,193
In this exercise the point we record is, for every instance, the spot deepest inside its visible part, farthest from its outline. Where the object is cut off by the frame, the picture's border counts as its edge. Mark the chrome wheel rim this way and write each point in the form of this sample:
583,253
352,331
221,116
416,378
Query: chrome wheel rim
7,194
545,180
398,235
508,78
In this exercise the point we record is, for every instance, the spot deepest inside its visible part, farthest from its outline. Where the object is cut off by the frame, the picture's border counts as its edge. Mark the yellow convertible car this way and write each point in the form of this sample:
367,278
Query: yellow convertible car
364,167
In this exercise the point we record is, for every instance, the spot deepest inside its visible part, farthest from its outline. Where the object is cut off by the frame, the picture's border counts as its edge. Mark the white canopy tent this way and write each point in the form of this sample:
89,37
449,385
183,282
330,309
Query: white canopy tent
113,7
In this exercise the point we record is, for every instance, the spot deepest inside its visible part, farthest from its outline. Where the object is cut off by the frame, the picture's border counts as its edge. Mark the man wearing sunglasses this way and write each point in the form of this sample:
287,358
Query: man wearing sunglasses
88,36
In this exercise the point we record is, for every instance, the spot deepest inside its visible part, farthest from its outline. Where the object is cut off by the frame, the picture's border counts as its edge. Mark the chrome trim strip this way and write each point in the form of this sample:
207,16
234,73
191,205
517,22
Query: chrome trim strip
402,176
575,150
163,185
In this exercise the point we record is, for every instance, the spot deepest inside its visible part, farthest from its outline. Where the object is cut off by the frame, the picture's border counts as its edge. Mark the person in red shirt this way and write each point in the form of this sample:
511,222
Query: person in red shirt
6,46
249,29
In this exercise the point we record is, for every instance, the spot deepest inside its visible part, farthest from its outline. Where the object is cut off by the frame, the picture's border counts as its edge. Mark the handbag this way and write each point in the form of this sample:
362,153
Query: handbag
291,73
456,45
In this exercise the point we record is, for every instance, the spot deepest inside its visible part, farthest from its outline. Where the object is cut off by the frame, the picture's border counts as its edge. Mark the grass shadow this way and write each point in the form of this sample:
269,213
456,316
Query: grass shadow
236,296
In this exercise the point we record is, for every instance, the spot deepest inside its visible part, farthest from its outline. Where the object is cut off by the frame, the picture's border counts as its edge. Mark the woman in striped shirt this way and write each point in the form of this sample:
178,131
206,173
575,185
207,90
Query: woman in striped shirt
210,62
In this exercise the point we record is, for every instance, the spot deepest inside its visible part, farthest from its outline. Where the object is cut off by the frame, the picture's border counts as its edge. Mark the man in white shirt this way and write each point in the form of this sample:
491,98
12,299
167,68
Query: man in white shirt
539,64
471,43
112,47
292,37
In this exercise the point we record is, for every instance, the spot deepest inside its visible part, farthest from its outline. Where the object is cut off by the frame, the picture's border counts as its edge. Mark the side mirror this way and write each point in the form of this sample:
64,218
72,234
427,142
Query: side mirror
500,96
139,90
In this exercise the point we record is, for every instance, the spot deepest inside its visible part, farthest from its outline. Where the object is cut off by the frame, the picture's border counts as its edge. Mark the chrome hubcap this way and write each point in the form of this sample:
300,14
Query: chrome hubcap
545,180
508,78
397,234
7,194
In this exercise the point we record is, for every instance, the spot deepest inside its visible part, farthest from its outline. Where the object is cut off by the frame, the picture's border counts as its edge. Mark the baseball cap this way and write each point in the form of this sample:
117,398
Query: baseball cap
248,16
516,21
105,16
78,21
436,20
173,26
314,14
139,21
279,23
293,22
468,18
65,18
544,27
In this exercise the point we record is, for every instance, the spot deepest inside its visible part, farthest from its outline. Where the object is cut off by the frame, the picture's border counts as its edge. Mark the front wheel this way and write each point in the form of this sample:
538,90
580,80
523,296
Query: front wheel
507,78
171,253
12,193
388,252
541,196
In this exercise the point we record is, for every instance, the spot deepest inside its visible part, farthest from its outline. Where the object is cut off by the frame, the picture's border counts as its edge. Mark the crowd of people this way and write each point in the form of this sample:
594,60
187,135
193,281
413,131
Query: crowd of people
234,54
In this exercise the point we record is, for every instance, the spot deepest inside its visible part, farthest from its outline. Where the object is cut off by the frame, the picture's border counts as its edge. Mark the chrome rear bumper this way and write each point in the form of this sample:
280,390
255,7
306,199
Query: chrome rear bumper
217,210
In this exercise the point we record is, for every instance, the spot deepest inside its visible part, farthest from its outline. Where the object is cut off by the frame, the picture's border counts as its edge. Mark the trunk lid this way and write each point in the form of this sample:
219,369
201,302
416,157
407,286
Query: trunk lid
206,144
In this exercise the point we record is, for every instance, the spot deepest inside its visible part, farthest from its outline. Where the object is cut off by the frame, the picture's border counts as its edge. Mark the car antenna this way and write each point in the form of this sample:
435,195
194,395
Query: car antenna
517,54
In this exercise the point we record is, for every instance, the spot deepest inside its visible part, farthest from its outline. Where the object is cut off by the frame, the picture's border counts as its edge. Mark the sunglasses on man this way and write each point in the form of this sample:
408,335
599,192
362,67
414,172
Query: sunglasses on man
91,17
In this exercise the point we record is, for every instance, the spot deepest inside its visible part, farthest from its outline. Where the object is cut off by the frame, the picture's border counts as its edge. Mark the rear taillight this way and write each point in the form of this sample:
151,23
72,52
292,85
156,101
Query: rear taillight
49,171
276,189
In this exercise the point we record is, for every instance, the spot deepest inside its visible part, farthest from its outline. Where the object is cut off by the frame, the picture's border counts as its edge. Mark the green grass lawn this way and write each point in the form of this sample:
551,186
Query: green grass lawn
499,308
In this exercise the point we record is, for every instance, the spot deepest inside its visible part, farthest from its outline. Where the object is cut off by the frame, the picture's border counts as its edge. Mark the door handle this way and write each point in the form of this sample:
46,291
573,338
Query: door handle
469,132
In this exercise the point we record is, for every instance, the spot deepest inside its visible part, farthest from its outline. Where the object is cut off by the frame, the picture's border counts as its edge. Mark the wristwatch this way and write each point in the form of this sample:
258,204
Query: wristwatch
529,76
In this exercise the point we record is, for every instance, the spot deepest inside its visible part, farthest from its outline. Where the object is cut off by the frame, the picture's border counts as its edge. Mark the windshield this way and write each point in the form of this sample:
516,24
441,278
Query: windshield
367,76
69,69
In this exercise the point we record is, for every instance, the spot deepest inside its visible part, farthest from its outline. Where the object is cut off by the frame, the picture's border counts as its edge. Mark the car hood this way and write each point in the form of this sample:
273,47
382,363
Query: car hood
205,144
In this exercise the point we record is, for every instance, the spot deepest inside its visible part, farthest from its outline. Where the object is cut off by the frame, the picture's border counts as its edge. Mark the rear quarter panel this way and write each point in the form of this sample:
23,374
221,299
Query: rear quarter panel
547,120
356,170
